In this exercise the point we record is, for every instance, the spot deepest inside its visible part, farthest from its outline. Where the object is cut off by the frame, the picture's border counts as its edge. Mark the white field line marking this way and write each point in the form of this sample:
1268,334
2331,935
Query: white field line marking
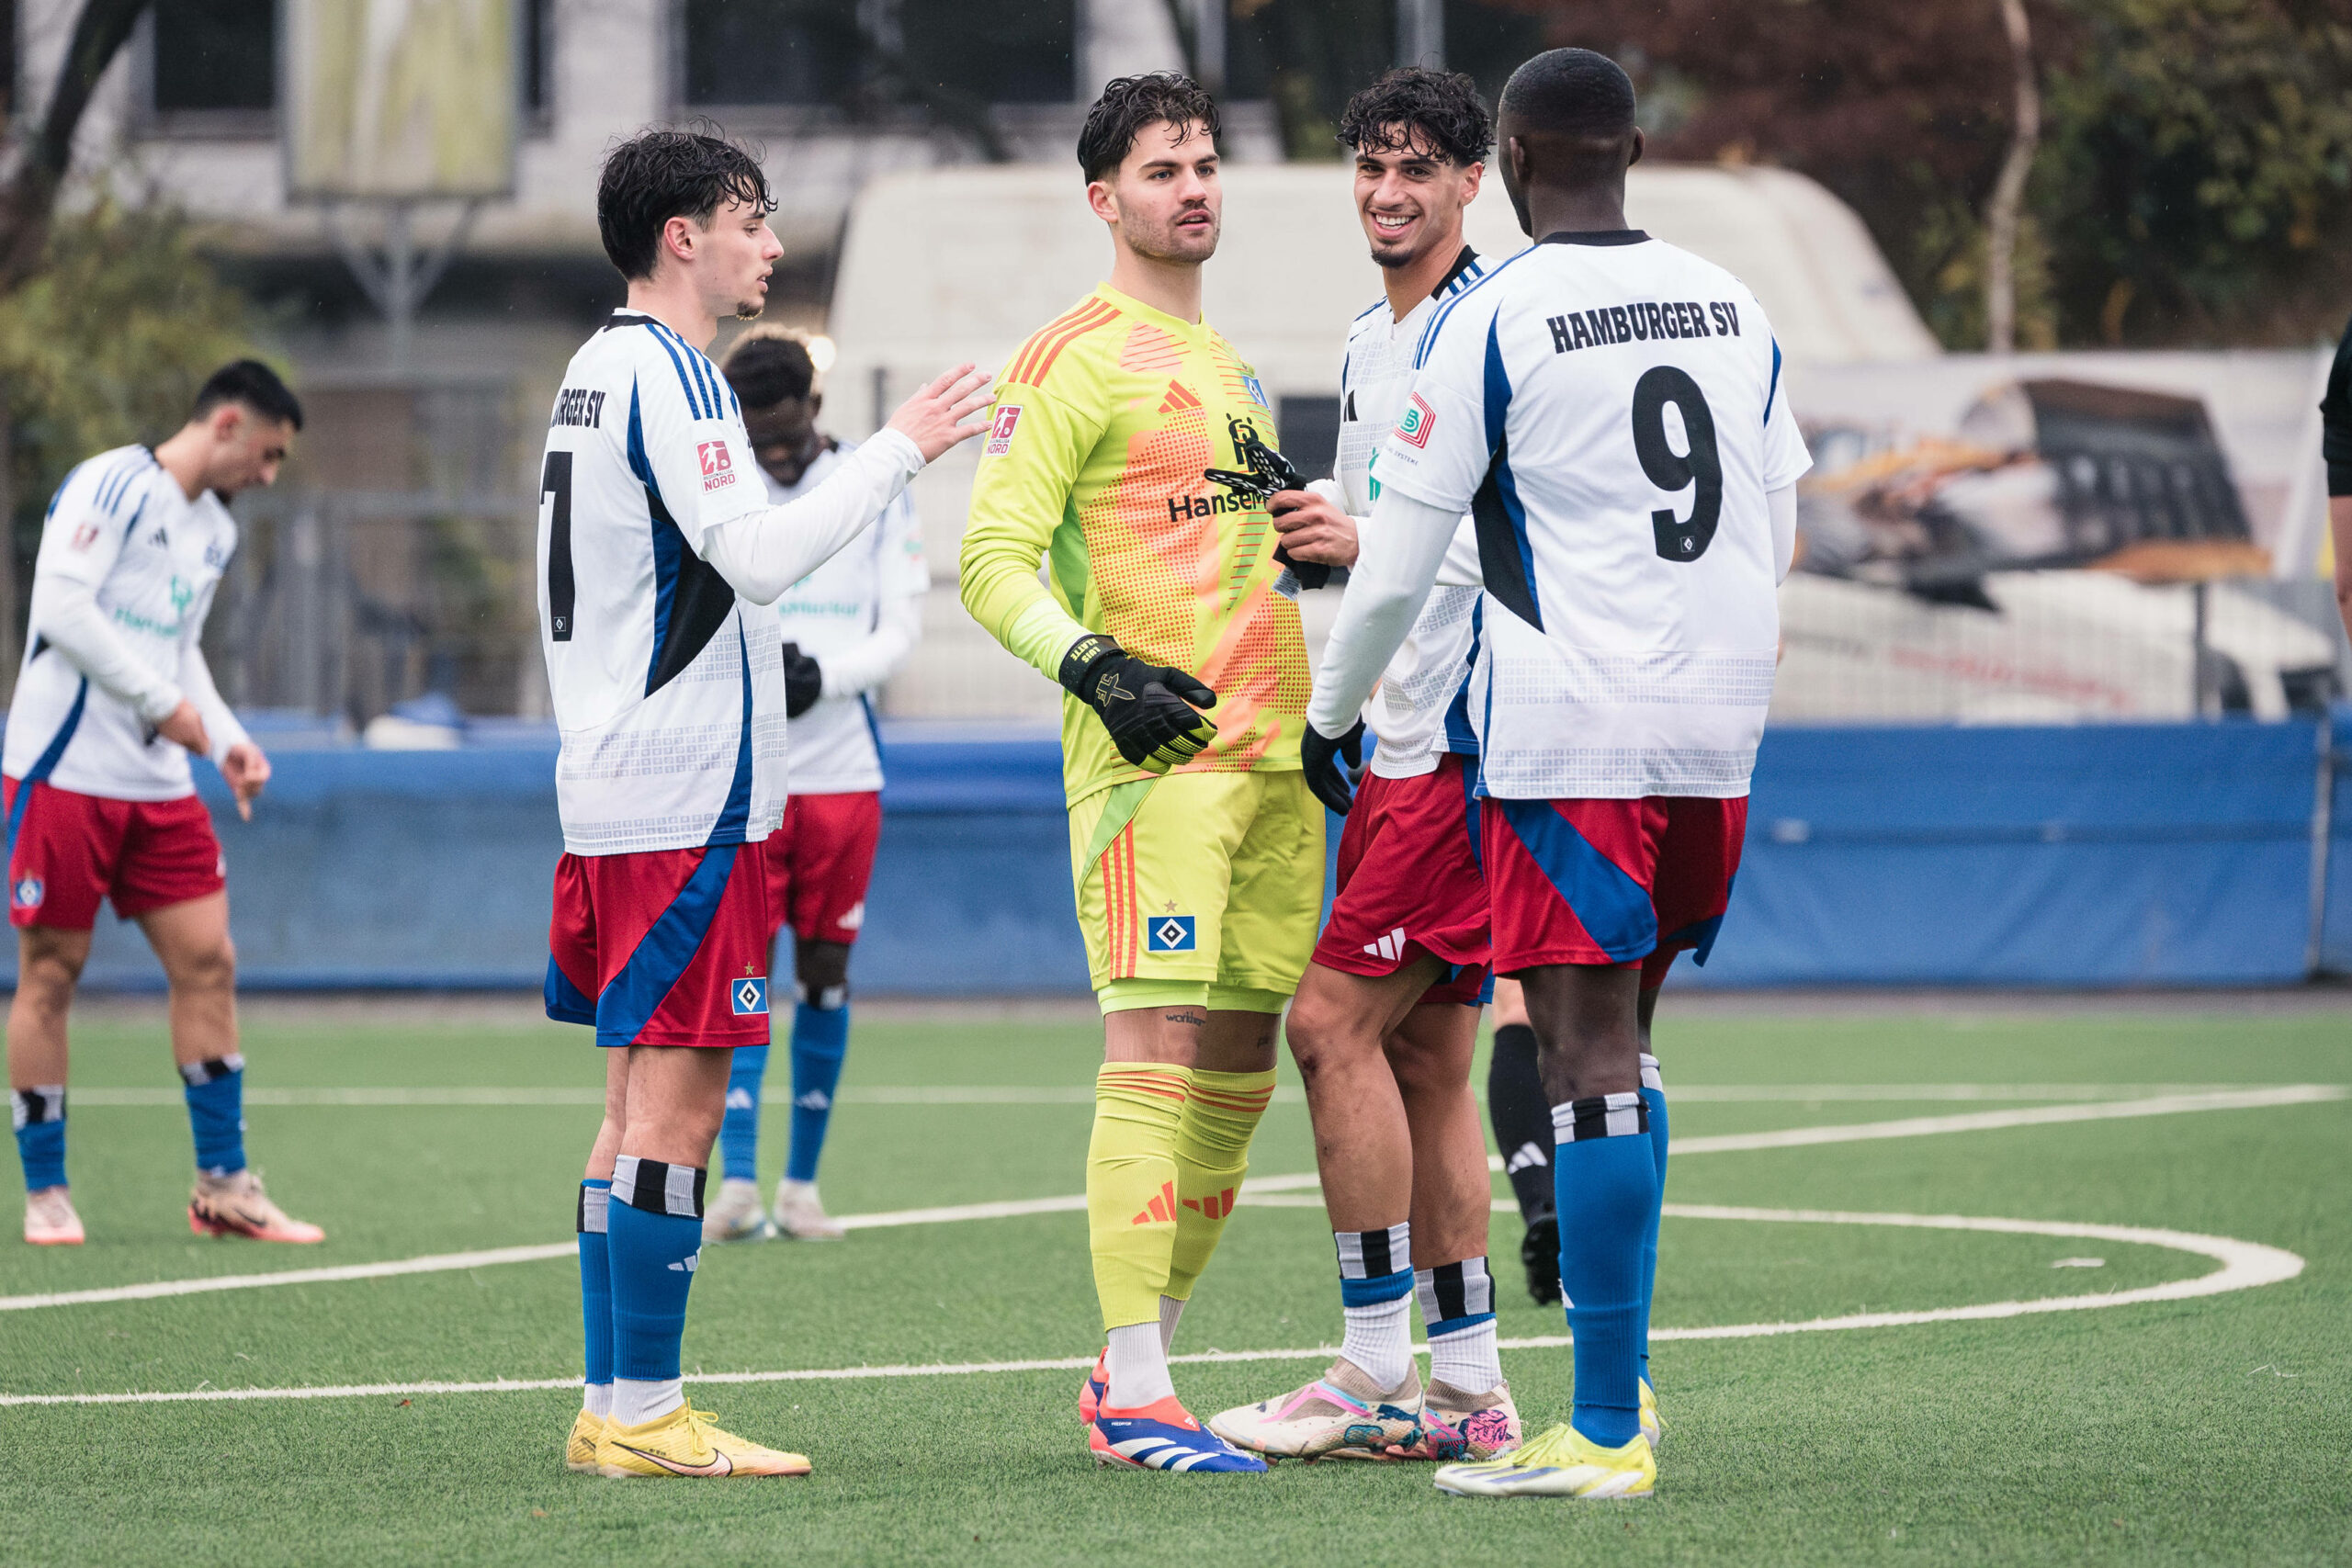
1256,1187
1083,1094
2245,1265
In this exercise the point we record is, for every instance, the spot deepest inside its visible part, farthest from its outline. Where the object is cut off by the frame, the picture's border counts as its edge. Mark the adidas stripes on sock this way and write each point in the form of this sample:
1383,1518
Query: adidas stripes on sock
819,1042
653,1228
216,1112
1654,1098
596,1295
1606,1183
1521,1114
1458,1309
1375,1292
39,1116
1220,1116
739,1129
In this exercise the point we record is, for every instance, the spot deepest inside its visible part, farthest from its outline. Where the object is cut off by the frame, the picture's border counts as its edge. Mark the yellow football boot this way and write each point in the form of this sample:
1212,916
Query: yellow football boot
1560,1463
685,1442
1653,1423
579,1449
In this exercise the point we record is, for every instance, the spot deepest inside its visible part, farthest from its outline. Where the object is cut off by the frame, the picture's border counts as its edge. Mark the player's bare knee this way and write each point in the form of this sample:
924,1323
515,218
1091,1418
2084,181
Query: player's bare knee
49,965
208,968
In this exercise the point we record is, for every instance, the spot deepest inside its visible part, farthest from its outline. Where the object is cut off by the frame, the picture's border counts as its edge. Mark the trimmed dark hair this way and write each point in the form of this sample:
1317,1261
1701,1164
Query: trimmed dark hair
253,383
1440,109
656,175
1572,93
1128,105
767,367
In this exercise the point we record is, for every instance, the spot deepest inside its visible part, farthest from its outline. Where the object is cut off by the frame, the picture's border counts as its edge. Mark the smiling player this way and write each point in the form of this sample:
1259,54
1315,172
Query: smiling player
1386,1019
1196,851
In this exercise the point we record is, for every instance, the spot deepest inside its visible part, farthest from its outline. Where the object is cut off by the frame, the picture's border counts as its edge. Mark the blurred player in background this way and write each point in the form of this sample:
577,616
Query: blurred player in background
847,628
1609,409
113,697
656,545
2335,423
1387,1020
1196,851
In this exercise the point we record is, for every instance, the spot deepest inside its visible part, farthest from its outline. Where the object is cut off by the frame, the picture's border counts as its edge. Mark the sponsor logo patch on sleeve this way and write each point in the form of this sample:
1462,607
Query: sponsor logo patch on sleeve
717,468
1008,420
85,536
1414,424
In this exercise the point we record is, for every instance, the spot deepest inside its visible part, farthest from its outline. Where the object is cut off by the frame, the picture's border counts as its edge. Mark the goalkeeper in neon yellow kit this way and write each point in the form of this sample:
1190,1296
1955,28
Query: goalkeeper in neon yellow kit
1197,850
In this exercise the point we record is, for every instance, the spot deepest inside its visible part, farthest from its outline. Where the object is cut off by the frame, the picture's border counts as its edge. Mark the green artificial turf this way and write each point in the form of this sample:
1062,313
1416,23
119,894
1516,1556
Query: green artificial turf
2213,1429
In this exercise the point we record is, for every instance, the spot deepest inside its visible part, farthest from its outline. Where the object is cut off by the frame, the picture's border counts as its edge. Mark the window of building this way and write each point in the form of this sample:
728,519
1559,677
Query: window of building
871,53
214,57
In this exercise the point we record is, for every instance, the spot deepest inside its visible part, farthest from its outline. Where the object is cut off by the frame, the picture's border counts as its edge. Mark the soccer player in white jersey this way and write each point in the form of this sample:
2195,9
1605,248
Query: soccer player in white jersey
113,696
848,626
1386,1019
656,543
1609,409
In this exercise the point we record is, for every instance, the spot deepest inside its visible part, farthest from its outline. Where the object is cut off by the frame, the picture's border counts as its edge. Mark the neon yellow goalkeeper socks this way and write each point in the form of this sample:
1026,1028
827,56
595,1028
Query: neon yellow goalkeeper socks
1131,1207
1212,1155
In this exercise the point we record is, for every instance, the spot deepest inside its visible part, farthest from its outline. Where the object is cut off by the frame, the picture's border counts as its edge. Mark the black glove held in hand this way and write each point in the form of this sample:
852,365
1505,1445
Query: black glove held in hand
803,681
1321,756
1152,710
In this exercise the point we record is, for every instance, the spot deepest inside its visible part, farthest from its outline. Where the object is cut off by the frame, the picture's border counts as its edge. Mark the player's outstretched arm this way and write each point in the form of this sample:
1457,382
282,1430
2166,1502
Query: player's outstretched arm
766,552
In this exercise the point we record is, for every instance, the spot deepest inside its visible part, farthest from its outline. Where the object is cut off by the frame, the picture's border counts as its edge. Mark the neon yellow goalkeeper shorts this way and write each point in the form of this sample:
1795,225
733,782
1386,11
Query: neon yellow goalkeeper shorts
1200,887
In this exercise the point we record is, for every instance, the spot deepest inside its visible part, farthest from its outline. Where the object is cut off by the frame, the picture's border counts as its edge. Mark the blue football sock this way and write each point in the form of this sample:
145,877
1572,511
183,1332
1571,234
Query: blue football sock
1605,1182
653,1232
216,1112
819,1041
596,1282
738,1133
40,1114
1654,1097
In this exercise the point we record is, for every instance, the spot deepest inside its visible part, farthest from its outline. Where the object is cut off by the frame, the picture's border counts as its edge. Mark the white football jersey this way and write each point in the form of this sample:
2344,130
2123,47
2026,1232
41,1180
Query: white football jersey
1422,710
121,526
669,690
1608,407
832,611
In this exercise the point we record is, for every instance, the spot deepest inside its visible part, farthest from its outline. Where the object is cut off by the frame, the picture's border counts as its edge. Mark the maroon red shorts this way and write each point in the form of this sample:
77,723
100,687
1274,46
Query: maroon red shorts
667,947
1410,883
1617,882
67,851
819,864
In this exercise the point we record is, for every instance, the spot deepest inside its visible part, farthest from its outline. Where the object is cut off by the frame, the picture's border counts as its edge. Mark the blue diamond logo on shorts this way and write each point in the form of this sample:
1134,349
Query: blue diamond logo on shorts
27,893
1171,933
751,997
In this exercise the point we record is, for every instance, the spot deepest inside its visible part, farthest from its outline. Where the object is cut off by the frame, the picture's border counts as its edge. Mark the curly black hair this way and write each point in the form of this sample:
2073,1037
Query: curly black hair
656,175
768,367
1129,104
1440,109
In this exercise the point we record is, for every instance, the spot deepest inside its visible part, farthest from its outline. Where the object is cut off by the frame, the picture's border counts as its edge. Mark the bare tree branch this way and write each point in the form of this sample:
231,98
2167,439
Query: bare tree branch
99,33
2008,191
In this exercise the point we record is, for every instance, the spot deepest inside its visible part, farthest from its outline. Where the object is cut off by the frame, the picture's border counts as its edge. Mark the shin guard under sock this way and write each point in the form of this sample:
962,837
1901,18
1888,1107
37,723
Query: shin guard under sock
1522,1117
1221,1115
739,1130
1131,1204
596,1295
40,1117
1654,1098
1606,1188
216,1112
819,1042
654,1239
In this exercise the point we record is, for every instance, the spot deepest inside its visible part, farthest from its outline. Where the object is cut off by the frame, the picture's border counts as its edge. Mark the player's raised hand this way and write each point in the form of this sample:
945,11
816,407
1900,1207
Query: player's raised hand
1152,710
1312,529
934,418
246,770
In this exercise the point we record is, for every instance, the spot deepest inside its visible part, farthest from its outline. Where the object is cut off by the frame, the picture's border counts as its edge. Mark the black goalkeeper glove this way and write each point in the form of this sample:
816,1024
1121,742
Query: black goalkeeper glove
804,683
1152,710
1333,785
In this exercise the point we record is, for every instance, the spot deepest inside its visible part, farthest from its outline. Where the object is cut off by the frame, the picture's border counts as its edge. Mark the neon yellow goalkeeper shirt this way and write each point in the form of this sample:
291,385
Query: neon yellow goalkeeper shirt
1093,461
